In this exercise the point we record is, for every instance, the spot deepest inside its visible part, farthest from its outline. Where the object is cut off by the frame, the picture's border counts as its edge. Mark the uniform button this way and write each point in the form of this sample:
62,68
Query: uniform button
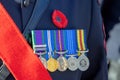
26,3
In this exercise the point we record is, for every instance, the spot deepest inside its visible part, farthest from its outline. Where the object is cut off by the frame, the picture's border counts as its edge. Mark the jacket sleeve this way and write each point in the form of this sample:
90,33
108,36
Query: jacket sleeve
97,51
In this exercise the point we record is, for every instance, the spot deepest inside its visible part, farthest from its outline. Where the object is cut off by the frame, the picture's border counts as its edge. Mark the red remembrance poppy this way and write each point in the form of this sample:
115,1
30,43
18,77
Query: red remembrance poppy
59,19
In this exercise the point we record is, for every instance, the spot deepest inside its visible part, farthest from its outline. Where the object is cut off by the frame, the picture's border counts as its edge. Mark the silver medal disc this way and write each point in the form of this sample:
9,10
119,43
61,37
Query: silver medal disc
63,65
44,62
83,62
72,63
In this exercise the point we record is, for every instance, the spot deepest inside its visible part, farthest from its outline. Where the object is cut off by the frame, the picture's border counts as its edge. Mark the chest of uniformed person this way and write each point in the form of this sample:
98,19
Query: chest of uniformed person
38,15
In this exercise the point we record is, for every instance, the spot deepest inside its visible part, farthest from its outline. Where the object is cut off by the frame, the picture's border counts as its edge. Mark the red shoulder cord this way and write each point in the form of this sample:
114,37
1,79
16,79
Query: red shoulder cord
16,53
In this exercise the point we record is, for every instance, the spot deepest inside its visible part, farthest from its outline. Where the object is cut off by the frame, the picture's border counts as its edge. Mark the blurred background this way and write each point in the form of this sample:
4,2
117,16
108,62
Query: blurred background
110,10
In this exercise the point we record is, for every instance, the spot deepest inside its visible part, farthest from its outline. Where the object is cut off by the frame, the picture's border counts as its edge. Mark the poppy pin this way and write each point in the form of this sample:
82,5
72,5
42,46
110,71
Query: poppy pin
59,19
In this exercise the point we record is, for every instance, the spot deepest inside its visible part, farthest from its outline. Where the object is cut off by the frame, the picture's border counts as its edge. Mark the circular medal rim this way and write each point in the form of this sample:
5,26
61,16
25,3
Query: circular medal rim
53,70
76,62
87,61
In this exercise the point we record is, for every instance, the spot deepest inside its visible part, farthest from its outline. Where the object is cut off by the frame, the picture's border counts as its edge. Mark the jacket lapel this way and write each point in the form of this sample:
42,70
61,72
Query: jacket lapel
40,7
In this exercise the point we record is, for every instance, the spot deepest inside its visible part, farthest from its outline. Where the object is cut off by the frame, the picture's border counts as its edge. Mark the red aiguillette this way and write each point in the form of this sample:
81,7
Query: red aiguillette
16,53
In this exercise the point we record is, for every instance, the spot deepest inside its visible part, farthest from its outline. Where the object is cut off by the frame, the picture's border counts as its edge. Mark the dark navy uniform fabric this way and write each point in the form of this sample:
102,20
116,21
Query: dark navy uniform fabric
81,14
111,14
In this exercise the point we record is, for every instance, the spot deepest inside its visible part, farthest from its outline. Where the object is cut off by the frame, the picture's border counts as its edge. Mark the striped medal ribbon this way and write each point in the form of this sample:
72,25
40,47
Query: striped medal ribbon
60,48
71,44
82,49
52,64
38,42
39,45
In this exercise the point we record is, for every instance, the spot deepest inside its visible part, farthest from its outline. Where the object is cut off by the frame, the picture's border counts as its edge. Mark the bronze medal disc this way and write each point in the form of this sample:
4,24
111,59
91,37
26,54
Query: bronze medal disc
63,65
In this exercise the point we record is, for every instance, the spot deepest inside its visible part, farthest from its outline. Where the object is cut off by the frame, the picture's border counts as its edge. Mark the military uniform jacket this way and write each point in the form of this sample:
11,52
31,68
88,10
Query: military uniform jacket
81,14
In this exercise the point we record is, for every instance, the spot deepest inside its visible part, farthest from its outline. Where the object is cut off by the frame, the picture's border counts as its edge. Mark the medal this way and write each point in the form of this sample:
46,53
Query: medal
43,60
62,64
39,46
72,63
71,44
52,64
60,49
83,60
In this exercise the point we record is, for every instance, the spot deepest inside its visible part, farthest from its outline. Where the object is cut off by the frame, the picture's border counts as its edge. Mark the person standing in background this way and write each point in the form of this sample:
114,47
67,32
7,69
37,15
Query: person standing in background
111,18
